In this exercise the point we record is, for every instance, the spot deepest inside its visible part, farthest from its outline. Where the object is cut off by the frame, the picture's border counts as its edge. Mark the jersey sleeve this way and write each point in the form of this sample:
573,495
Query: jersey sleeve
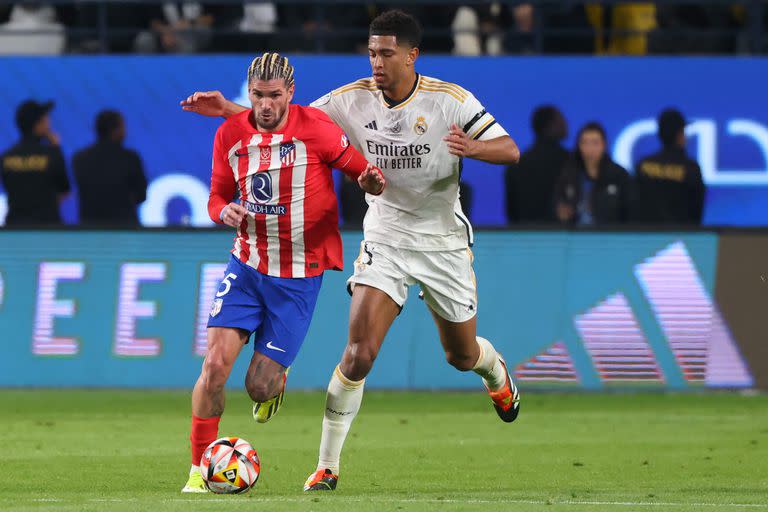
223,185
476,121
332,142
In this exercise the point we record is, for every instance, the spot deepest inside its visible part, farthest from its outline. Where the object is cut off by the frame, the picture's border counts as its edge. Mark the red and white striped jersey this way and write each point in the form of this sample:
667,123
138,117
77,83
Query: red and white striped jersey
284,181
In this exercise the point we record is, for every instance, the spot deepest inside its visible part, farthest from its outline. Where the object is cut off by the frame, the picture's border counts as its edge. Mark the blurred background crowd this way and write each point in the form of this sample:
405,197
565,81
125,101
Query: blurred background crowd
551,184
340,26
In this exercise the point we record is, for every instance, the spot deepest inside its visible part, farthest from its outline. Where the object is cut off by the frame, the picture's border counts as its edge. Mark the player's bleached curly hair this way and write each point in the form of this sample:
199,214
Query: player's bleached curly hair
271,66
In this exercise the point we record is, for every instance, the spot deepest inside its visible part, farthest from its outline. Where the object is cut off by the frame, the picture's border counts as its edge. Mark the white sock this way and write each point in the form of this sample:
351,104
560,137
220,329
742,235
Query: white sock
341,405
194,469
489,366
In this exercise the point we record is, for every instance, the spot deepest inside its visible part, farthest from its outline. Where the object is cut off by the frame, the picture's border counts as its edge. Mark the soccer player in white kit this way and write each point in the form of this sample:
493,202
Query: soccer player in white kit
417,130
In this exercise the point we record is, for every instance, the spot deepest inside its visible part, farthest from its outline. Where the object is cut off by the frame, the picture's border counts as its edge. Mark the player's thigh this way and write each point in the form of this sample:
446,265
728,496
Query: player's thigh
371,314
449,289
381,267
459,340
237,303
447,282
289,305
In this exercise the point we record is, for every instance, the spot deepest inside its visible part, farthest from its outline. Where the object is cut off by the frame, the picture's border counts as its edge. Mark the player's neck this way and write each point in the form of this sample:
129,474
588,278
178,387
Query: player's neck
403,89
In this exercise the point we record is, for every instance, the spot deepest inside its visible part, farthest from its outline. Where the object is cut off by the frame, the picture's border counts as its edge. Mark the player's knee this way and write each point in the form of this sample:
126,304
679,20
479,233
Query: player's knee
358,359
260,390
460,361
215,373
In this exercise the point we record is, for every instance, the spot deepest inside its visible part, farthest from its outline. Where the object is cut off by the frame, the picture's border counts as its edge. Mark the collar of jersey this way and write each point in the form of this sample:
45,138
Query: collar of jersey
399,104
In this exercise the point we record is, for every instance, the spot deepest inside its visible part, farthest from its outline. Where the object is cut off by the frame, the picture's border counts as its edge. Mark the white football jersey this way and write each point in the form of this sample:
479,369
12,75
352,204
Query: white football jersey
419,208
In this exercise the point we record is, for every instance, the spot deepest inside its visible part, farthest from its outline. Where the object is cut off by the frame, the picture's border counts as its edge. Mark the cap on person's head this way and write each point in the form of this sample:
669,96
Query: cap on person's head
29,113
671,123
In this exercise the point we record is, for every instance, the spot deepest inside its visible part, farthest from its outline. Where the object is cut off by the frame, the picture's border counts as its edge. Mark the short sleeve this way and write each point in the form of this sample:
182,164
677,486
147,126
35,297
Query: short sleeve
476,121
332,141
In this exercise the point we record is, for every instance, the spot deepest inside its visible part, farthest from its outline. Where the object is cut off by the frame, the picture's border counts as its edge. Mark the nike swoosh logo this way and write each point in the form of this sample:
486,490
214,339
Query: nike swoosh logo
272,347
241,154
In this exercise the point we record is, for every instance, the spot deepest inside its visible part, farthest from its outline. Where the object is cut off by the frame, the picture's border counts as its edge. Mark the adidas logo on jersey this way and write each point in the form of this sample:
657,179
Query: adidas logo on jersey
372,125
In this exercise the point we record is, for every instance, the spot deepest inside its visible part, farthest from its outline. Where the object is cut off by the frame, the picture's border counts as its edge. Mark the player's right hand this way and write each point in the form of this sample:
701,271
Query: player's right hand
207,103
233,215
372,180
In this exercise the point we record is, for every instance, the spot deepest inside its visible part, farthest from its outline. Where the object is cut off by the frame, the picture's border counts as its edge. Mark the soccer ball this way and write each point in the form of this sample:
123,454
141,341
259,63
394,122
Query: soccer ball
230,465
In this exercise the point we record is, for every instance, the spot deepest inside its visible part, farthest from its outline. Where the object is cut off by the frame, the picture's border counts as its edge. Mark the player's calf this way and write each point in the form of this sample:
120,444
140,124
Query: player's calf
265,409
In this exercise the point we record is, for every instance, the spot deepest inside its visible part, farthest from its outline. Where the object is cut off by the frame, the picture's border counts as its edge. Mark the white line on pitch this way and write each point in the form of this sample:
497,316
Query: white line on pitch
422,500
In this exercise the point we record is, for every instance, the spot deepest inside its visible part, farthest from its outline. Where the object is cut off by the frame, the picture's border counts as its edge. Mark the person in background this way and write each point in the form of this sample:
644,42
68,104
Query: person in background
593,189
33,171
32,29
110,178
668,184
183,27
530,183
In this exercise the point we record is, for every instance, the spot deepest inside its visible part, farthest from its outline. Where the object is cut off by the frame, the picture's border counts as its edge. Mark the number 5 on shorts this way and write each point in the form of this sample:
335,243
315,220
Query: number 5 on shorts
227,284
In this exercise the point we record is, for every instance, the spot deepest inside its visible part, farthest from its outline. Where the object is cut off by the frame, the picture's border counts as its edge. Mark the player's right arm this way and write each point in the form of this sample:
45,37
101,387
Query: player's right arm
211,104
221,208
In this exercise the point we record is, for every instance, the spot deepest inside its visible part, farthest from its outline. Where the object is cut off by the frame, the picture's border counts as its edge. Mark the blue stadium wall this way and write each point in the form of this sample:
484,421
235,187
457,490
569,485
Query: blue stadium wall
722,98
572,310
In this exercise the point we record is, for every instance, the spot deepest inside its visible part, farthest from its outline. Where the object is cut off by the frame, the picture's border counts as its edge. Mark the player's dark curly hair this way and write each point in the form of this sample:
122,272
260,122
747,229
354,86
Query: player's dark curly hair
403,26
271,66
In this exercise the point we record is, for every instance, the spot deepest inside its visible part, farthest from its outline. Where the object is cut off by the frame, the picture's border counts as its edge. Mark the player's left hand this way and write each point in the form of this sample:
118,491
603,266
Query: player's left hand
372,180
459,143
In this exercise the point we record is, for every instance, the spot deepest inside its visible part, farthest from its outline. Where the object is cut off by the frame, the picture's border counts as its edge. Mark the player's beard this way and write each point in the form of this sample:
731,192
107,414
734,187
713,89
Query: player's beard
272,122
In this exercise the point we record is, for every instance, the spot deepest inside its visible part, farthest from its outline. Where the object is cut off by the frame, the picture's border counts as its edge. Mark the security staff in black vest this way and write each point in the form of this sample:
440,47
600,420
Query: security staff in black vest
668,184
33,171
110,178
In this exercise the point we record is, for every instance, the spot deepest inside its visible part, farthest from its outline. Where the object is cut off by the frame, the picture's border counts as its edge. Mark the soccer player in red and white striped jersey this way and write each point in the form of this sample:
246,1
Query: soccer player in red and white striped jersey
271,181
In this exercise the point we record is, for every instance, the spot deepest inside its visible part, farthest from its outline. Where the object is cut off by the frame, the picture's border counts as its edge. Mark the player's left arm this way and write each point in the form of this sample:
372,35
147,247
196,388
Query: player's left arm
476,134
498,150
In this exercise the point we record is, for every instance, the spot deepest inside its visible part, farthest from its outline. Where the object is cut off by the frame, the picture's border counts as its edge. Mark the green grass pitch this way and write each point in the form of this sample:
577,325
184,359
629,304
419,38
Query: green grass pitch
128,451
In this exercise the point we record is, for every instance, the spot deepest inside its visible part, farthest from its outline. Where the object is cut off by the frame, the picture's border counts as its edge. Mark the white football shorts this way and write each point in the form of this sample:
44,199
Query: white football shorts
446,278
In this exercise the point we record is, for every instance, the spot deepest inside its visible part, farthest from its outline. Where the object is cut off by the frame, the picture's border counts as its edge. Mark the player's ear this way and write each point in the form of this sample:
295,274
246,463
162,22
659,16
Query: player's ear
291,90
413,54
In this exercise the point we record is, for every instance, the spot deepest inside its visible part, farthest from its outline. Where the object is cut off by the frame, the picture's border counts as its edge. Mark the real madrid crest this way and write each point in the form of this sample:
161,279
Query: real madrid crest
421,126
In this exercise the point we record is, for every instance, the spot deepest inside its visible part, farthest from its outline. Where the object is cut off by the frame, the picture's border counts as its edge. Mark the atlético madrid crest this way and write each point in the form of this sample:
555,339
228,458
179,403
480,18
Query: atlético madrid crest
216,306
287,153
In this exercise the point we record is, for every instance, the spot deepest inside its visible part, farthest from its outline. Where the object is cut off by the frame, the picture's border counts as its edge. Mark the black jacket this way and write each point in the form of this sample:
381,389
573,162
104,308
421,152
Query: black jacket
111,184
35,178
610,195
531,182
668,189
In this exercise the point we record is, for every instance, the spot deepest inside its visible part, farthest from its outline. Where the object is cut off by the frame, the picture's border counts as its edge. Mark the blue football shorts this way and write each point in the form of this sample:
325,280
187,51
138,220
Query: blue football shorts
276,310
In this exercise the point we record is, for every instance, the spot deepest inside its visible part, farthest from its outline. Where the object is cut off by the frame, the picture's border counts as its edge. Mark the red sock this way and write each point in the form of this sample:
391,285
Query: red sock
204,432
